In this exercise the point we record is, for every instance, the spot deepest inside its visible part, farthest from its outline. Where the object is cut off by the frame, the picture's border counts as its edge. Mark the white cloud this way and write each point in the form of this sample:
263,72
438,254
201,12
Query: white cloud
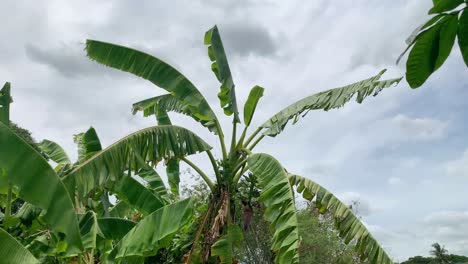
395,181
449,228
419,128
458,167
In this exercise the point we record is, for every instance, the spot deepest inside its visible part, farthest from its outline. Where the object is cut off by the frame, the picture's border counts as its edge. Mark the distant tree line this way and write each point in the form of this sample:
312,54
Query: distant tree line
439,255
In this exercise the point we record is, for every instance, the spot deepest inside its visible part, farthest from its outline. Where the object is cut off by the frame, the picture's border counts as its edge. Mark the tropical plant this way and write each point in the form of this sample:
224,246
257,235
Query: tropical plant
320,242
432,42
219,232
67,214
440,253
440,256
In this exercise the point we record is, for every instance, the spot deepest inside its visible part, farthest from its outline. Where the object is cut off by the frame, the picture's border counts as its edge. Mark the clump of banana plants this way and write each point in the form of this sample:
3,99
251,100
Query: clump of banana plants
220,231
69,203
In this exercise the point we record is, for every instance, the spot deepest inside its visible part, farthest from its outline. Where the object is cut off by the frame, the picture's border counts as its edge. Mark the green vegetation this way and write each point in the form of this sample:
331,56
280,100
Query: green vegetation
320,241
68,217
432,42
439,256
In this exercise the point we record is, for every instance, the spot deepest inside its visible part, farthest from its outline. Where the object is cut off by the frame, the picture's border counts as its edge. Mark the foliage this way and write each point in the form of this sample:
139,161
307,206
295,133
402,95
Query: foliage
440,256
320,243
327,100
157,72
349,226
220,67
31,174
432,42
12,251
75,221
278,198
440,253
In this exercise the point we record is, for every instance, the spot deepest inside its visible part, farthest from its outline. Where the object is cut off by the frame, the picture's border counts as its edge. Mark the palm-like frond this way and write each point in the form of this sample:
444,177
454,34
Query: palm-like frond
278,198
88,144
220,67
39,185
165,102
137,195
113,228
89,229
121,210
11,251
155,183
326,100
152,144
348,225
157,72
54,152
154,231
251,104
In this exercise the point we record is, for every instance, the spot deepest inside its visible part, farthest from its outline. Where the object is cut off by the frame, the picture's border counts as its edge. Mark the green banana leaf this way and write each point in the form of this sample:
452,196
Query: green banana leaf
156,71
5,100
112,228
326,100
160,105
154,231
39,185
154,181
348,225
251,104
137,195
224,247
89,229
11,251
54,152
445,5
173,175
414,36
121,210
278,198
220,67
152,144
430,50
462,35
88,144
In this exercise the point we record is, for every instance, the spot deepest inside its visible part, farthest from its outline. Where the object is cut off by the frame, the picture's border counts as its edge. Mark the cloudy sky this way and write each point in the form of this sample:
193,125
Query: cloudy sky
402,154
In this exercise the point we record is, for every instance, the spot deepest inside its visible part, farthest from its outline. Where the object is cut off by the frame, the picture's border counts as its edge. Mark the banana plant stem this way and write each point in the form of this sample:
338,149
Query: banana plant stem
8,205
239,165
239,174
241,139
221,140
252,136
256,142
215,166
233,139
197,237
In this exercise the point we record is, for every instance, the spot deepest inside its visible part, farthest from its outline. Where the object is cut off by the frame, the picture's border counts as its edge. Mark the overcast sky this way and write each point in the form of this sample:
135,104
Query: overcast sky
402,154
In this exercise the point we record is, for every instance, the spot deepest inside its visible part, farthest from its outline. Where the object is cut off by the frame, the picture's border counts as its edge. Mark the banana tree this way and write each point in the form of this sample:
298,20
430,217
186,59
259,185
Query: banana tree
67,216
219,232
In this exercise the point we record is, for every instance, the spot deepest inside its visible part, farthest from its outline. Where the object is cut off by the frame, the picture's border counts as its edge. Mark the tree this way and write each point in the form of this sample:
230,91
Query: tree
440,254
432,42
75,221
221,233
320,242
68,217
